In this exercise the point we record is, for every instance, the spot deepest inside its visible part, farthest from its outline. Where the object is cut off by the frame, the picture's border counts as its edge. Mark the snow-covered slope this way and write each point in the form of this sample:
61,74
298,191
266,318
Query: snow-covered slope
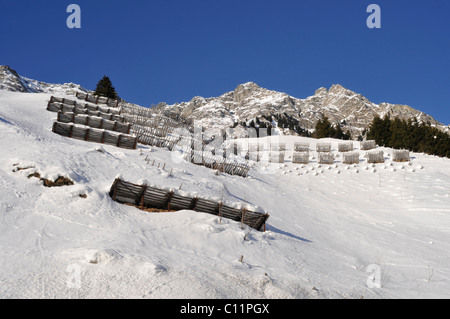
328,225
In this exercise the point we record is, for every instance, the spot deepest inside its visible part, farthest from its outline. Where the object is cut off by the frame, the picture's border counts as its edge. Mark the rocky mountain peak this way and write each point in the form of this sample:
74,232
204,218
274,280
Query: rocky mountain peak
321,91
10,80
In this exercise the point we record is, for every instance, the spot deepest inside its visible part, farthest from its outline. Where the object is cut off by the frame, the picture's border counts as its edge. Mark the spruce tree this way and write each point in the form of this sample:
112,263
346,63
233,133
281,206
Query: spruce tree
105,88
324,129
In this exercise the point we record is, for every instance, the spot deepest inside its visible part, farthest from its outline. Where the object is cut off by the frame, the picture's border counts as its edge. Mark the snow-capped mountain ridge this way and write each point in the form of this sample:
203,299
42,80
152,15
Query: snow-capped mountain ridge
10,80
249,101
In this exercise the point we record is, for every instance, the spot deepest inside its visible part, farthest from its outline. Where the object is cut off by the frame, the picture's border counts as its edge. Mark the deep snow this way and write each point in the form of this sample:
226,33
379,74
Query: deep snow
328,225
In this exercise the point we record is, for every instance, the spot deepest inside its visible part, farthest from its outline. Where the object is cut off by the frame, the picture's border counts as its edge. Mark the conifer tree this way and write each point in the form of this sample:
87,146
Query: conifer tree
324,129
105,88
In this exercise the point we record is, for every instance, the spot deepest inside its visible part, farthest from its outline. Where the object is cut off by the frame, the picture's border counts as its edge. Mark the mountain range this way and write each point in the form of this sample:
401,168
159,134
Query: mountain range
248,101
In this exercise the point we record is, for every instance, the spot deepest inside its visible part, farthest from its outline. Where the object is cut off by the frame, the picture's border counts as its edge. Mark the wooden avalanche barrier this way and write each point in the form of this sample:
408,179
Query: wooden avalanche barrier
351,158
375,157
145,196
97,99
400,156
323,147
94,122
367,145
95,135
300,157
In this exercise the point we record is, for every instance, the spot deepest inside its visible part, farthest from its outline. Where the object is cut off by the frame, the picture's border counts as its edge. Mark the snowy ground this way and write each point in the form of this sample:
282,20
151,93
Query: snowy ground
330,227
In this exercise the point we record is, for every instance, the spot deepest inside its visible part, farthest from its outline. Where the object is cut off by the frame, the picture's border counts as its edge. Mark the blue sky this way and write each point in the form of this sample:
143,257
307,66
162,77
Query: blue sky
171,50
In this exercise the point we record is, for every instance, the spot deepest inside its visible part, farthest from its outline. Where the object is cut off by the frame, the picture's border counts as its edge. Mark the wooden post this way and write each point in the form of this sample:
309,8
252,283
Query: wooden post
220,211
140,197
114,187
194,203
169,198
86,135
71,131
243,215
118,140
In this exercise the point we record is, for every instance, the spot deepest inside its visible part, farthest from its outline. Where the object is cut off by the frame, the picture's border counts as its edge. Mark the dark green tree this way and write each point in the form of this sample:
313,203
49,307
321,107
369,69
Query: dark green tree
410,134
324,129
105,88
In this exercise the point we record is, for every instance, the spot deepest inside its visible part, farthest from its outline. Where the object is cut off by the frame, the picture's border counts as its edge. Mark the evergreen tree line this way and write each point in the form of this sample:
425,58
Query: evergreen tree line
324,128
409,134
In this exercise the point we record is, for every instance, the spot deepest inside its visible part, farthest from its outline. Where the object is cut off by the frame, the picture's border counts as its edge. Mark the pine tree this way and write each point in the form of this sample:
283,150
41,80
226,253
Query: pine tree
105,88
324,129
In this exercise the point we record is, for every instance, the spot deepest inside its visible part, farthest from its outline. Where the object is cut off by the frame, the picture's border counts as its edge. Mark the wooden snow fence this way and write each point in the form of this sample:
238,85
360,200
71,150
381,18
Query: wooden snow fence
68,106
323,147
145,196
217,162
300,157
276,157
367,145
400,156
351,158
301,147
375,157
345,147
96,99
94,122
326,158
95,135
255,147
278,147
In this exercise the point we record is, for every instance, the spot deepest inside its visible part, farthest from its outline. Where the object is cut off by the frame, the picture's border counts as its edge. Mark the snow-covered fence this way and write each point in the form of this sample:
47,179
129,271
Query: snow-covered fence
367,145
345,147
278,147
301,147
95,135
400,156
97,99
146,196
276,157
68,106
351,158
255,147
323,147
94,122
300,158
375,157
217,162
326,158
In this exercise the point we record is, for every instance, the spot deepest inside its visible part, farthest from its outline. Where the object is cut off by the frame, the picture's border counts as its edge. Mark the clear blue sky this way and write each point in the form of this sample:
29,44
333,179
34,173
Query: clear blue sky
171,50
